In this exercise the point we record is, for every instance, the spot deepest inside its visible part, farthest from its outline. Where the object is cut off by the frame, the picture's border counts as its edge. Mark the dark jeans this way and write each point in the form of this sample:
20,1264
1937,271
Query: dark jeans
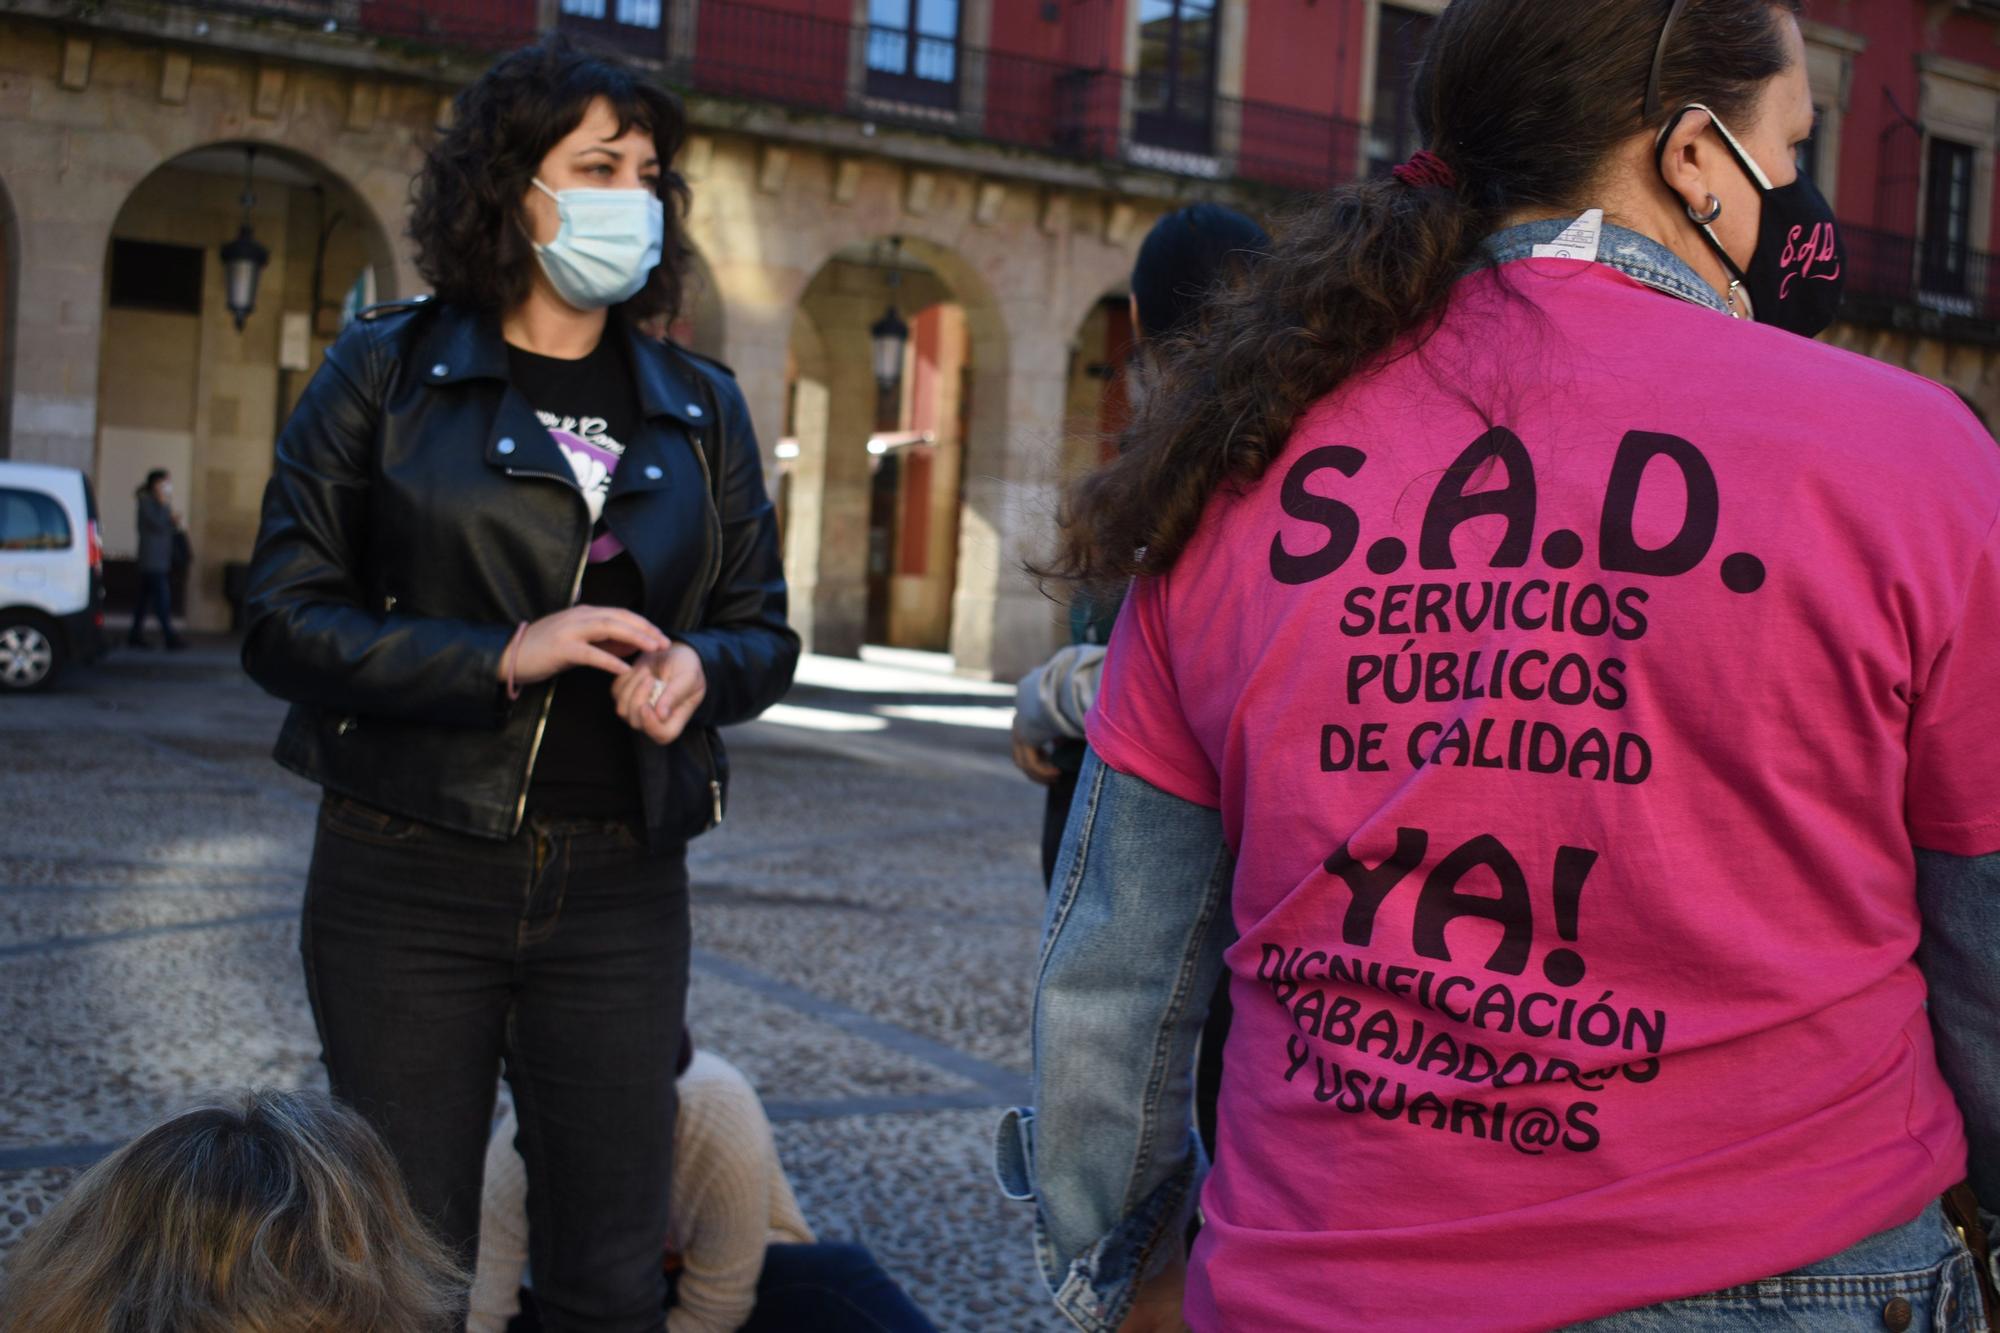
830,1289
431,958
156,595
809,1289
1055,818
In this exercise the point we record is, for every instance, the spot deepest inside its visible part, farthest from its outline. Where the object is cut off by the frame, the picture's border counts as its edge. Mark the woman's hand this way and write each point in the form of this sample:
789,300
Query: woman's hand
1031,758
661,692
583,636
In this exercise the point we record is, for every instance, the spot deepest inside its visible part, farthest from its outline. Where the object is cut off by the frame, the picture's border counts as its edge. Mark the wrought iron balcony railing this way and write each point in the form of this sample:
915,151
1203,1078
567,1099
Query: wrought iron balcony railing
748,52
732,49
1909,282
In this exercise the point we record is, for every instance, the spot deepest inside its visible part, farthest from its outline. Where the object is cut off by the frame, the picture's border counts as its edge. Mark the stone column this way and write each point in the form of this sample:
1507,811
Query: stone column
758,342
836,599
59,300
1002,625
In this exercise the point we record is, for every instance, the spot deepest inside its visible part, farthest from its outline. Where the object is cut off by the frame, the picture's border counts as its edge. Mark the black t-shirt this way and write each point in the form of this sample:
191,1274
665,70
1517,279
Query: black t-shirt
589,762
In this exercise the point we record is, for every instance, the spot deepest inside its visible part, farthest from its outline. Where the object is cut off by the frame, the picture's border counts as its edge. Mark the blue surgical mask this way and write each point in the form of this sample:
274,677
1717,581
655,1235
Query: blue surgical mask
607,246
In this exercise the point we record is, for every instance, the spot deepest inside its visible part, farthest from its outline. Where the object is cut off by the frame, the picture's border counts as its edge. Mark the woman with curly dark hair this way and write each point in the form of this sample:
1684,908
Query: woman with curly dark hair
1559,697
516,566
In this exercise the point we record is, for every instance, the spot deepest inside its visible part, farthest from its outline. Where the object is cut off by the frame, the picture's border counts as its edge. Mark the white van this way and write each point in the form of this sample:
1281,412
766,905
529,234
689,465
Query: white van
51,574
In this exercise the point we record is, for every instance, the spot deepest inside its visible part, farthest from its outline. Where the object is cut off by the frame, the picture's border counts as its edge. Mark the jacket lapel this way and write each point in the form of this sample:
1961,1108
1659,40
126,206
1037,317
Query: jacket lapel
667,540
518,444
463,346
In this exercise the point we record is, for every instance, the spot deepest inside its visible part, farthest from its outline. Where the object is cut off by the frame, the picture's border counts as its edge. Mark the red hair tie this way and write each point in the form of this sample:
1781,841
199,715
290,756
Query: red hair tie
1426,169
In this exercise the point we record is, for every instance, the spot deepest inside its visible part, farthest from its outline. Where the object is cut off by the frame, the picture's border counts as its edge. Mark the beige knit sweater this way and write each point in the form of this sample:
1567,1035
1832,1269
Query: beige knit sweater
729,1199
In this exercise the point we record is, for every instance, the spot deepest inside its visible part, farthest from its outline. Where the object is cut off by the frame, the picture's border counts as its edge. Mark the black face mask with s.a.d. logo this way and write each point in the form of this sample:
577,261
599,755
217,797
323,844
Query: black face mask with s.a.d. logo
1797,271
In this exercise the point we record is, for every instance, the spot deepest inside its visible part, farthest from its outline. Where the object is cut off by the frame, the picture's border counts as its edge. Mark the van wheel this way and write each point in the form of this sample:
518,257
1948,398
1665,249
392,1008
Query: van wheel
29,657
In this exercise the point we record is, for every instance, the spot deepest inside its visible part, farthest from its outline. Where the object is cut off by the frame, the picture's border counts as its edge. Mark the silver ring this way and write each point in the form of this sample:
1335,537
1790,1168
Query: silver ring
1714,212
659,688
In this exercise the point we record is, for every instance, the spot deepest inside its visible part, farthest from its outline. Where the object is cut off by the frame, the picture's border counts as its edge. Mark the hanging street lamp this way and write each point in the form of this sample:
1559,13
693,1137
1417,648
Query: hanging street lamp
243,259
889,336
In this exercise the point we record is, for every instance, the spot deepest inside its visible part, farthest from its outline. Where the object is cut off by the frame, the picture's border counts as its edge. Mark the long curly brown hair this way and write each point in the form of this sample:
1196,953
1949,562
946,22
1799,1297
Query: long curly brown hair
1526,100
465,207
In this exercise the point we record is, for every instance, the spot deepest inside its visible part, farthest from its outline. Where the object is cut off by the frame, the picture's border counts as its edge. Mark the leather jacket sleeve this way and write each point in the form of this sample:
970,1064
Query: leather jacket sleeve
748,651
312,635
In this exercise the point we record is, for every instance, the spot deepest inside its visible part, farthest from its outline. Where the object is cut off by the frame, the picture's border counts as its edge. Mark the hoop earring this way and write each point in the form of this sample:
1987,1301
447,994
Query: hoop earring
1714,212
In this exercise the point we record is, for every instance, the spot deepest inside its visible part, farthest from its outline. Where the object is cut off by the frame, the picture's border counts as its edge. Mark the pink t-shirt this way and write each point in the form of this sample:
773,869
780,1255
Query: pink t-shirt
1574,750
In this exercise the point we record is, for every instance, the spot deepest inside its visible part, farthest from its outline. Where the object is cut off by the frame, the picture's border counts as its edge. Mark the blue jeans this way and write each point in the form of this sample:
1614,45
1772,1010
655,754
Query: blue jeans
1918,1276
155,595
431,958
830,1289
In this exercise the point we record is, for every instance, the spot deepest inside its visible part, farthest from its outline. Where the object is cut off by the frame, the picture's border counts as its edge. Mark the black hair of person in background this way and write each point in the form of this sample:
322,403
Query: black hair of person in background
1185,256
517,566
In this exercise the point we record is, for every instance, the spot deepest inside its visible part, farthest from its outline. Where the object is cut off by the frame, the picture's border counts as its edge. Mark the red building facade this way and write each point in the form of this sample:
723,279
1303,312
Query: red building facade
1012,152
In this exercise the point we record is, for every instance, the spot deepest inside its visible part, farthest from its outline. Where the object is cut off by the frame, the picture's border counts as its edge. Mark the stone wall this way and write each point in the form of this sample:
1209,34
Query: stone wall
86,119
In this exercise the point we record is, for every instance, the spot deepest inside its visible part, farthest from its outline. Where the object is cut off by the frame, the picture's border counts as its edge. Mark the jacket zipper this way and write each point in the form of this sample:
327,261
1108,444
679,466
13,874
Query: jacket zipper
707,585
548,698
714,779
576,588
712,510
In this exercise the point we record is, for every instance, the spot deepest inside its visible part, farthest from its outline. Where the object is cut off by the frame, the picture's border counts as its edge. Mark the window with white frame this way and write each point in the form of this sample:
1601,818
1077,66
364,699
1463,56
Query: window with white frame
1174,84
1947,239
1958,108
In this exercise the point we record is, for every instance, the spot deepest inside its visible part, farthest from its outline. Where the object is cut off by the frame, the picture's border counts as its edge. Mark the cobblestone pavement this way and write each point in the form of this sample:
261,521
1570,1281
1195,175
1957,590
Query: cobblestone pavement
865,932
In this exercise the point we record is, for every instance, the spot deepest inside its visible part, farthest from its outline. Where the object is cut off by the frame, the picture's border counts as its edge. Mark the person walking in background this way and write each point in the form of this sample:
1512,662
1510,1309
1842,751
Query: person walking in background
276,1211
516,568
159,526
1567,725
739,1254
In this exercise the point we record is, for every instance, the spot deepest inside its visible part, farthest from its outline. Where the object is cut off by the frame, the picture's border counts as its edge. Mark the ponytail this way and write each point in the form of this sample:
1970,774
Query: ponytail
1524,104
1350,277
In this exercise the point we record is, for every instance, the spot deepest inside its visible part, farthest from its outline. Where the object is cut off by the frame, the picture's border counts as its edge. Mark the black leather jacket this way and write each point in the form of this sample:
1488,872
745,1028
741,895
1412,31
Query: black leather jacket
418,512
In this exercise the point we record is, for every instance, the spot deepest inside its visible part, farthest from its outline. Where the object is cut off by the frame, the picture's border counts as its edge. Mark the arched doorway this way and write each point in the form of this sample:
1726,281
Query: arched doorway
872,479
181,385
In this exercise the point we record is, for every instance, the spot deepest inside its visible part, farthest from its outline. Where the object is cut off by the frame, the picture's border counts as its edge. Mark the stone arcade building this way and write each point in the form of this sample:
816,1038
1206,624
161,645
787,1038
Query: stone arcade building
986,166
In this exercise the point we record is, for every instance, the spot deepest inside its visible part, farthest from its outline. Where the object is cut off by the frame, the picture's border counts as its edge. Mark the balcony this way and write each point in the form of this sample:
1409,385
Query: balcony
727,49
752,53
480,26
1902,282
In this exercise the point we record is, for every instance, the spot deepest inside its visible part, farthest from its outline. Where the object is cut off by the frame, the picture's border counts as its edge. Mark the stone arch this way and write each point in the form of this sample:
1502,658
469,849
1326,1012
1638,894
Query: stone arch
179,385
955,395
65,222
379,243
1026,264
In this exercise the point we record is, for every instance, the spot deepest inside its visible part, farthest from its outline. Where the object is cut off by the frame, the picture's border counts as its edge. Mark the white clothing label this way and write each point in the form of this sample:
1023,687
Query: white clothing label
1578,241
